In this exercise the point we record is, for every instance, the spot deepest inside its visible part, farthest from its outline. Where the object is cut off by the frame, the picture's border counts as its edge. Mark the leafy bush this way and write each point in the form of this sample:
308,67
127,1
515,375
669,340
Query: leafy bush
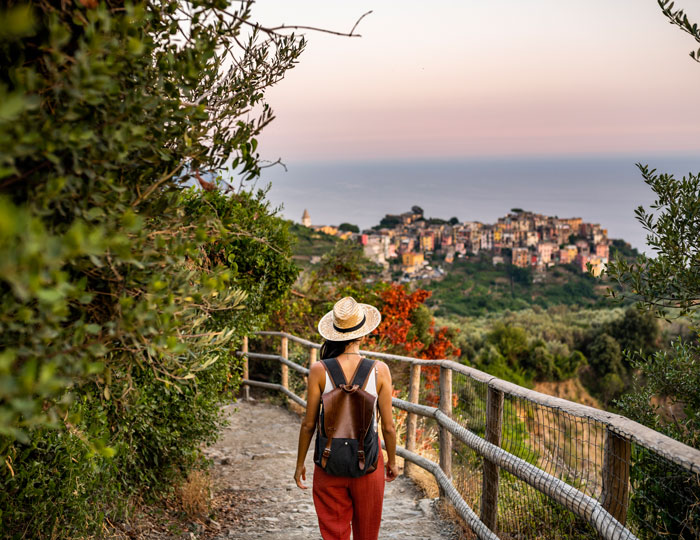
121,295
674,377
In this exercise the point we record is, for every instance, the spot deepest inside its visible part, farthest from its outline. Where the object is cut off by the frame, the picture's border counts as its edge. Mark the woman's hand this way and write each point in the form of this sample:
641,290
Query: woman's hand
299,475
392,471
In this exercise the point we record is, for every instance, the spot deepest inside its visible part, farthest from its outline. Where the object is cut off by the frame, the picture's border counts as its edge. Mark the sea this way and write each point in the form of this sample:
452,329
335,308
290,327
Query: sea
599,189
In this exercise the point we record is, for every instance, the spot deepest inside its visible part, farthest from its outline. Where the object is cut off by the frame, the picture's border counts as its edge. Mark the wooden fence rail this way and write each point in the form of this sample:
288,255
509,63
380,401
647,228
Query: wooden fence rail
607,515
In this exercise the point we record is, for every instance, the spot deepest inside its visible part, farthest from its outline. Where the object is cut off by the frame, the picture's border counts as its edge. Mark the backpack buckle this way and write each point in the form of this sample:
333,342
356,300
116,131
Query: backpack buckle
361,455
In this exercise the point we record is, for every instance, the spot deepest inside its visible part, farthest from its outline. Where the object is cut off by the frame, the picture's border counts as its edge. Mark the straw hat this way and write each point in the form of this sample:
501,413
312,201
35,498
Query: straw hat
348,320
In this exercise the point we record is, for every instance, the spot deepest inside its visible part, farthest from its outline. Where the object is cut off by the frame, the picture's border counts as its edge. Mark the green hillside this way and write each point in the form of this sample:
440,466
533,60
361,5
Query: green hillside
475,287
310,243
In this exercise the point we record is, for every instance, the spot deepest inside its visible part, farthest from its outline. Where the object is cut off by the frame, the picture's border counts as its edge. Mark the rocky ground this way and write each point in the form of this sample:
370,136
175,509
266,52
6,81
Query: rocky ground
255,461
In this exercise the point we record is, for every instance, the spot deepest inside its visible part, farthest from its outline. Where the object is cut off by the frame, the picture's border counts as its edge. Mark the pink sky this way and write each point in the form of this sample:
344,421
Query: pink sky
469,78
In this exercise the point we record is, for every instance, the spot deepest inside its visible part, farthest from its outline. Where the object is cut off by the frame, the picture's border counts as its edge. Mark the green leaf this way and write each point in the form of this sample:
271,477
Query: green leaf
49,296
17,22
93,328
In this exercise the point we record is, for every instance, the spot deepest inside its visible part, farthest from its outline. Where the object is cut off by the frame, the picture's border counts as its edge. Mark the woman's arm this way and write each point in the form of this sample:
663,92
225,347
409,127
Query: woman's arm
317,377
385,391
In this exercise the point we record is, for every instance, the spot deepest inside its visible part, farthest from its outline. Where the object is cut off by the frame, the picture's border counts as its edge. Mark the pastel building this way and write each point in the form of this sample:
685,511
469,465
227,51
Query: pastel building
583,246
568,254
486,240
427,242
598,265
406,244
327,229
602,250
376,249
544,252
411,262
531,238
521,257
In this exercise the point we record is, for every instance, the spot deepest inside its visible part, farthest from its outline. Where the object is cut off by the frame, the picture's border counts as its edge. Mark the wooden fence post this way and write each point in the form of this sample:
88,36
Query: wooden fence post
616,475
412,418
284,353
246,374
489,492
312,361
445,435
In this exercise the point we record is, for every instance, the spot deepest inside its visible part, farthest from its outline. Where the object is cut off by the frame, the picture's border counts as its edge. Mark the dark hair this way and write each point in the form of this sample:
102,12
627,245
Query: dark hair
331,349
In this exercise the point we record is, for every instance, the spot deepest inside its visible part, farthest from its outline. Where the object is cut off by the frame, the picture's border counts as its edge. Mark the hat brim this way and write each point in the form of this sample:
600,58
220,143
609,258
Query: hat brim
328,331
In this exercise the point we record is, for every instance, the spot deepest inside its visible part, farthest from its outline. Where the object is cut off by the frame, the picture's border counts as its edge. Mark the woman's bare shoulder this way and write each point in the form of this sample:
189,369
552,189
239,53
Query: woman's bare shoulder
317,376
382,369
317,370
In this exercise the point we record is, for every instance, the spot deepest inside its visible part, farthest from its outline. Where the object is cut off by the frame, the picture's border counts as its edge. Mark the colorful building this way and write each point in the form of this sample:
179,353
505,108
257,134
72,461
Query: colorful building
427,242
544,252
412,261
602,250
327,229
521,257
568,254
598,265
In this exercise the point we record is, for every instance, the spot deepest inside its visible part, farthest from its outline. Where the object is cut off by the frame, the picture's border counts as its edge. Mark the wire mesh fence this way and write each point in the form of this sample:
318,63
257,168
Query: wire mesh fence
665,500
559,444
469,410
554,469
428,432
636,485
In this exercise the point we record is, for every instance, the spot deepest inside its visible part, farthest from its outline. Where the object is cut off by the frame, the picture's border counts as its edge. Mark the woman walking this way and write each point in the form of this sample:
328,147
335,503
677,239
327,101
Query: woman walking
348,502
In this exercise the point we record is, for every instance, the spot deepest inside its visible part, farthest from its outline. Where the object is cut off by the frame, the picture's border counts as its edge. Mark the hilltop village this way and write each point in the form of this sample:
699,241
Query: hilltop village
522,238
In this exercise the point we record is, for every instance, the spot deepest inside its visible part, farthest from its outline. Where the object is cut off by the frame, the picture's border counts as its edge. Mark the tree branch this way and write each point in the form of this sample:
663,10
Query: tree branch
155,186
274,30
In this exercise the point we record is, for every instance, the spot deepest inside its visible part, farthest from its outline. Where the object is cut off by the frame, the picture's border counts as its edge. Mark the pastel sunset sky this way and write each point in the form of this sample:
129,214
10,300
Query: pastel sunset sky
484,78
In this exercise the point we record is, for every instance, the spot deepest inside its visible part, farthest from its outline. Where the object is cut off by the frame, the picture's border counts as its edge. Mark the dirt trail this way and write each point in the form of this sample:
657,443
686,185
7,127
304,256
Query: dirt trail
254,472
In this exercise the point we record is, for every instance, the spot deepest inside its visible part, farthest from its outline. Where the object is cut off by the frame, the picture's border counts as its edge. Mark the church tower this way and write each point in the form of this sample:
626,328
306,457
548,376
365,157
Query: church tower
306,219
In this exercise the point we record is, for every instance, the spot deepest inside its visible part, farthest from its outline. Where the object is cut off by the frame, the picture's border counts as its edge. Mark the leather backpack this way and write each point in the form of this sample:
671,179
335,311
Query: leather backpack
346,439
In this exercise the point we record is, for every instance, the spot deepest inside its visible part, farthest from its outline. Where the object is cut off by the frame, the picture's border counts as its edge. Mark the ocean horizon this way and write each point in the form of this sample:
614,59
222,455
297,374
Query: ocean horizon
599,189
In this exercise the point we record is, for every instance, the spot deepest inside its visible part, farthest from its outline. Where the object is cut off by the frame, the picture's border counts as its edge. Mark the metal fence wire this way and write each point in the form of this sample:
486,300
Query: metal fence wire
469,400
561,445
524,465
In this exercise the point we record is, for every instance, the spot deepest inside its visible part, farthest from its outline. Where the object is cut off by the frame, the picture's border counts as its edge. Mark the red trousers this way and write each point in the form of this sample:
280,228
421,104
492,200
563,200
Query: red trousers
341,501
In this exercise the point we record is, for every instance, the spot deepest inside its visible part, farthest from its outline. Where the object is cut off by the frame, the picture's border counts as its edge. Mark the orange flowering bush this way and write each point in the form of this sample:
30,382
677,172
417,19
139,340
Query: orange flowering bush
408,328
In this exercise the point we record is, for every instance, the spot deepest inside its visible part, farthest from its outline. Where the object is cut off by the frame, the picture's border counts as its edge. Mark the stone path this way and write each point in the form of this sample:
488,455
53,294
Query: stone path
254,465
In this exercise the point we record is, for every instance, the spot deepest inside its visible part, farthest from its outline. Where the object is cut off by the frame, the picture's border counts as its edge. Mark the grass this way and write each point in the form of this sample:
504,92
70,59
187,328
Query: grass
194,495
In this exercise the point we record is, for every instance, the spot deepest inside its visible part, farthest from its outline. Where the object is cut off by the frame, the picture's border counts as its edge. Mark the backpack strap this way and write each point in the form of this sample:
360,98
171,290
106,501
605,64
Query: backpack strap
363,371
361,377
335,372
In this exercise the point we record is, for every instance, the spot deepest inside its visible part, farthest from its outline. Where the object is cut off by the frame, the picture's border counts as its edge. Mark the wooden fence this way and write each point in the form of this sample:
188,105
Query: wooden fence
601,500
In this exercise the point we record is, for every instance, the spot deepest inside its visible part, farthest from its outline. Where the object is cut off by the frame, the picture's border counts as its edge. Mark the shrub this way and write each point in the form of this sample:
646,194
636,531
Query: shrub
121,295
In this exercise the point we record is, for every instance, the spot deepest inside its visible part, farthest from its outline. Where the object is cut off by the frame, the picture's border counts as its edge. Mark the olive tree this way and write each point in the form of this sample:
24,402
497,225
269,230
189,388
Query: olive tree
669,285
